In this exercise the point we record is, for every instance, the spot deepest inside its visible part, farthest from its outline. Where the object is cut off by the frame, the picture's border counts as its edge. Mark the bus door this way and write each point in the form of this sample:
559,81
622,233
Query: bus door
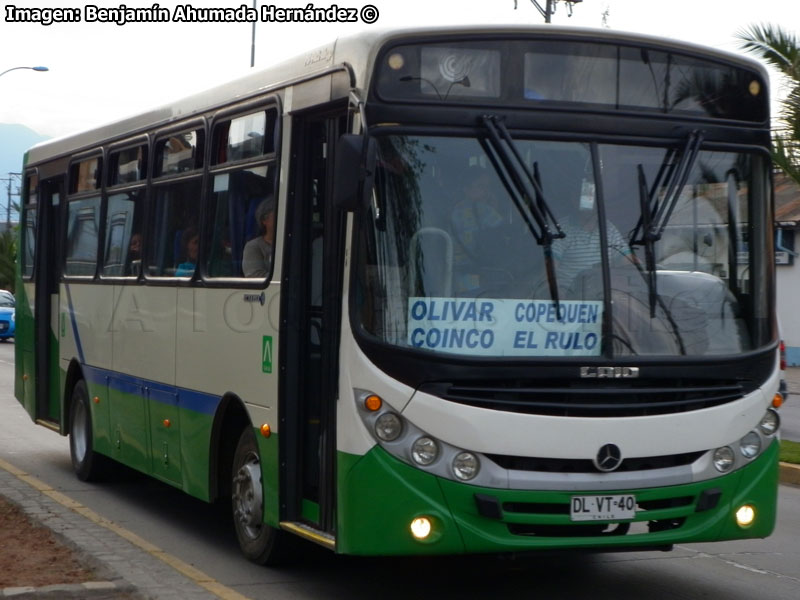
46,276
313,280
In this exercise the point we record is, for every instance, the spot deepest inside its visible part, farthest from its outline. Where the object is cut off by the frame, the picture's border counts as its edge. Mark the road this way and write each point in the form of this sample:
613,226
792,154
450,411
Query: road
200,536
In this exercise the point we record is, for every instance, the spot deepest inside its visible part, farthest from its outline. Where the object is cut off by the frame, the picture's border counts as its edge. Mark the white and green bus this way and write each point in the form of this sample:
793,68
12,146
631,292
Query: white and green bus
514,292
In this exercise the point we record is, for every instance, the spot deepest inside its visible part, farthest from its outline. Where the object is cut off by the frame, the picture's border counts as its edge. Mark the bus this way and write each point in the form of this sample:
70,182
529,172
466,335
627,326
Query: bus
516,293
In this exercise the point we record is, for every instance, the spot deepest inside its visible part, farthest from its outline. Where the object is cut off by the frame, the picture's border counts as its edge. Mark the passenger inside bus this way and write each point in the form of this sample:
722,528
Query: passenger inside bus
258,252
135,254
190,244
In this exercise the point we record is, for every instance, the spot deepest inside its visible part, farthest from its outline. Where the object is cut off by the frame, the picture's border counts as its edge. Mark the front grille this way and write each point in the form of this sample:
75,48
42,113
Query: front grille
571,398
576,465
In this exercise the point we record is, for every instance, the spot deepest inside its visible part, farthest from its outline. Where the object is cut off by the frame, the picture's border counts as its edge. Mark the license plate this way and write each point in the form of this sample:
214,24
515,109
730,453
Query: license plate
602,508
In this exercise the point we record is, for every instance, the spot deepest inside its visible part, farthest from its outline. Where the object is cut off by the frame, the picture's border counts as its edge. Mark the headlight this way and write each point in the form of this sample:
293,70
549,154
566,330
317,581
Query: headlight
465,466
723,459
388,427
750,445
425,451
770,423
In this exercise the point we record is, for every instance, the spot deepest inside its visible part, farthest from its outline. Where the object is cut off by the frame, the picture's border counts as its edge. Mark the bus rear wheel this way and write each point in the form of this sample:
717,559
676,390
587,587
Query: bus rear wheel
259,542
87,464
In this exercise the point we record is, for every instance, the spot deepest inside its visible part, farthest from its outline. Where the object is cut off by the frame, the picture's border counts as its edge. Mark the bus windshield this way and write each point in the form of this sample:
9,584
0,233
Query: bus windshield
653,261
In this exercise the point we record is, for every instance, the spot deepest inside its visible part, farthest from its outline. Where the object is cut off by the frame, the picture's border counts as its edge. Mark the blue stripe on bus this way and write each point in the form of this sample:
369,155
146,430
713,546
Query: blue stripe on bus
193,400
74,324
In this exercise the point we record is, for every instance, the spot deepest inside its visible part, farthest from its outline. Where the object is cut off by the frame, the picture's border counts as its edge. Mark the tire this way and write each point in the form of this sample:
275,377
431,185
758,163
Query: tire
87,464
260,543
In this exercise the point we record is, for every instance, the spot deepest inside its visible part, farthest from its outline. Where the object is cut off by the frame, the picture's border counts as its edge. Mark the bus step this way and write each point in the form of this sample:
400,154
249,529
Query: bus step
323,538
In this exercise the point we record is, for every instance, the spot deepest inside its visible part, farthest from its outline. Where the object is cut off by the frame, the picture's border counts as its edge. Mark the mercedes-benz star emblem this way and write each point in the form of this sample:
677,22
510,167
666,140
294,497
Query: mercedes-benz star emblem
608,458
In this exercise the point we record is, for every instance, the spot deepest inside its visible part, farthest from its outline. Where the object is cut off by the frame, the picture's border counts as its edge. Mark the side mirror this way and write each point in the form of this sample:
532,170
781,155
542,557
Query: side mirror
354,171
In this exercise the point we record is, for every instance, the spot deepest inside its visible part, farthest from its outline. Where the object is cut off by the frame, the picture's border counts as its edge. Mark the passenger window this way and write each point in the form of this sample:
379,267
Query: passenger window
127,166
83,224
242,212
248,136
123,251
179,153
85,176
173,240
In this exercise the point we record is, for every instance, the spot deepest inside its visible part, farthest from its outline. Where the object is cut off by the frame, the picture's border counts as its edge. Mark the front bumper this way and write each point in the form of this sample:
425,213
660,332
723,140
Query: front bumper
379,496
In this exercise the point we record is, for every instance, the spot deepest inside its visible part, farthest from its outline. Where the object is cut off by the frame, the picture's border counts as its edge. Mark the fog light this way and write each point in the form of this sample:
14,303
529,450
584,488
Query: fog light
770,423
425,451
465,466
745,516
723,459
421,528
750,445
388,427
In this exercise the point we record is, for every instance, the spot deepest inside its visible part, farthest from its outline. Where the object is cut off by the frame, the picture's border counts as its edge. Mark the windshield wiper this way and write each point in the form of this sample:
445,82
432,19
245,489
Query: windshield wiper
654,215
526,191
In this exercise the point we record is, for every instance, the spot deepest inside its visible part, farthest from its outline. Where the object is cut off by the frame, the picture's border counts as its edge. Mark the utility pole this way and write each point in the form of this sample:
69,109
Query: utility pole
550,8
12,177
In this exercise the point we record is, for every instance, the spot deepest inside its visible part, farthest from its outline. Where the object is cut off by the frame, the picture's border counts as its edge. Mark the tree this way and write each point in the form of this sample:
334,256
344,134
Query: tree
781,50
8,255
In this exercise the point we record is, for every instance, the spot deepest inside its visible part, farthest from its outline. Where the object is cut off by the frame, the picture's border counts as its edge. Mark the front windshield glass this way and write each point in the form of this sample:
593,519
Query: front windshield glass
448,263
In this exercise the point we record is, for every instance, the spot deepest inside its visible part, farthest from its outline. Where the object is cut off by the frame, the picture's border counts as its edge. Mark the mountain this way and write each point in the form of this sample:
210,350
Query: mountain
14,141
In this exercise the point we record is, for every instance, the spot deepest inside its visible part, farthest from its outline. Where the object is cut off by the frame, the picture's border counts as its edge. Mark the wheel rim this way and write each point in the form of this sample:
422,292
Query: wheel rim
80,429
248,496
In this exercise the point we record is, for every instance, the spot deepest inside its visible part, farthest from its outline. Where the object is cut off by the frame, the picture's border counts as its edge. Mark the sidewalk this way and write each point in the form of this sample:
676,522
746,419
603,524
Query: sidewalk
130,568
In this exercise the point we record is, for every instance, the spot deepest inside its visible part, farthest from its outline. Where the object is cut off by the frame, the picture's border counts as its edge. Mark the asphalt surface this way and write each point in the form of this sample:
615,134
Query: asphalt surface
131,567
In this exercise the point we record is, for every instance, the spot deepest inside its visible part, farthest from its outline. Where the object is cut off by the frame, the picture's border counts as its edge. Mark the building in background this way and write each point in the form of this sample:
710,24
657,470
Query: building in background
787,223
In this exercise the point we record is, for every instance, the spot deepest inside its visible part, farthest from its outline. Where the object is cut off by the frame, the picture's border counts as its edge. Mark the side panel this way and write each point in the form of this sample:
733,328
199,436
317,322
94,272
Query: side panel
227,342
128,421
142,324
86,315
165,435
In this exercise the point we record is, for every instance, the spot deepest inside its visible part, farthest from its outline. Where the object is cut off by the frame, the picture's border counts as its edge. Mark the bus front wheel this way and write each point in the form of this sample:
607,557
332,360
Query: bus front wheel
88,465
259,542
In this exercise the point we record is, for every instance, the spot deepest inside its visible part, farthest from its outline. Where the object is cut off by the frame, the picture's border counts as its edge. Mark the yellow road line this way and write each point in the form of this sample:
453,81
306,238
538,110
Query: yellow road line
205,581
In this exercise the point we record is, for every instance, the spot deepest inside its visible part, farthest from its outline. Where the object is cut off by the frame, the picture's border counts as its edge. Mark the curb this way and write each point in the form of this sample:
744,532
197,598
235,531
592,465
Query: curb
91,590
790,473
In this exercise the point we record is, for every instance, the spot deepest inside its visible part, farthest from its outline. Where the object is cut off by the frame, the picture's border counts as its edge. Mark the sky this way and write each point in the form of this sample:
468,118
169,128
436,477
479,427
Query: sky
100,72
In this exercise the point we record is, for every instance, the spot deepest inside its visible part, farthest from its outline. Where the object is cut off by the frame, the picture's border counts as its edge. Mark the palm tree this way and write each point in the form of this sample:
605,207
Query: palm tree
781,50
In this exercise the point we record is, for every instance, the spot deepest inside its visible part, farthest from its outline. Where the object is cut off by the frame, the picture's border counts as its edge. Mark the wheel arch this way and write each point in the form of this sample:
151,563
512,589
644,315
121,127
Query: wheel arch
74,375
231,417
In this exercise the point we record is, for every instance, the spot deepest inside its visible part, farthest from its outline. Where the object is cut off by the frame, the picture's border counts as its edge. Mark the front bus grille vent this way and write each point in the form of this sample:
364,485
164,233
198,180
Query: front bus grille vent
571,398
577,465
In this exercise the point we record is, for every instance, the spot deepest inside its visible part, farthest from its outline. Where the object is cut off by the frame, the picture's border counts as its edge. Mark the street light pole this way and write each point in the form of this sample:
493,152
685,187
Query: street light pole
31,68
253,41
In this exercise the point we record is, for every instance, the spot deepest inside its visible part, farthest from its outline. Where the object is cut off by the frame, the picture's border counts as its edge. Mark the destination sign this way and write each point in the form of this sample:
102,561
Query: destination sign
505,327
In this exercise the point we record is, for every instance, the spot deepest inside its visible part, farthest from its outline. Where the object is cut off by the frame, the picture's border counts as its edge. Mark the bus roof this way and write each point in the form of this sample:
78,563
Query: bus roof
357,53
